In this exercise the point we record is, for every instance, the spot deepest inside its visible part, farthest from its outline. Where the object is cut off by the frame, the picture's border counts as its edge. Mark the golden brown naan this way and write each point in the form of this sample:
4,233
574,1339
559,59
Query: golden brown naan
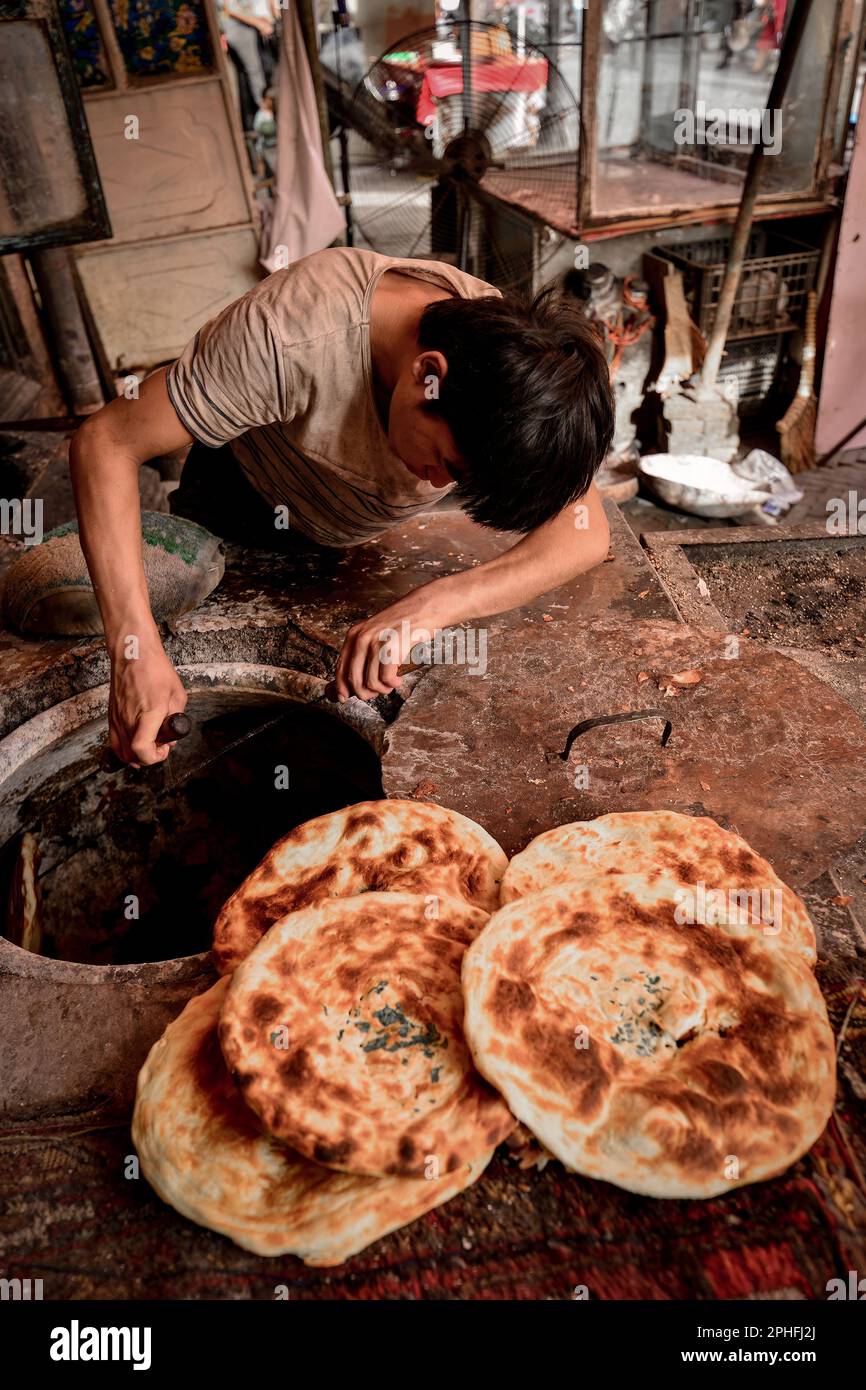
344,1031
411,846
205,1153
674,1061
693,849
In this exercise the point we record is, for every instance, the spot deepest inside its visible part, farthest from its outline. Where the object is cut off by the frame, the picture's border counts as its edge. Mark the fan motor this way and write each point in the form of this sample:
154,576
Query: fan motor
468,156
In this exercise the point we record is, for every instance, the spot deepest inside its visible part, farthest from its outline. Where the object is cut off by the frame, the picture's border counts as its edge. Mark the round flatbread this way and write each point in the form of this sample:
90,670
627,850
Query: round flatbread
205,1154
344,1031
672,1060
693,849
412,846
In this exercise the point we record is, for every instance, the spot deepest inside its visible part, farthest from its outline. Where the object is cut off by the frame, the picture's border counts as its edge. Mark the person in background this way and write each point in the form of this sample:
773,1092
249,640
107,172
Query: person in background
243,22
770,37
269,44
727,11
265,127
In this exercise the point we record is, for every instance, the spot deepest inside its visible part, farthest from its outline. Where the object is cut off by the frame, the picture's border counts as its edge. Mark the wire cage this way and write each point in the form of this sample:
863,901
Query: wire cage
750,371
777,275
464,145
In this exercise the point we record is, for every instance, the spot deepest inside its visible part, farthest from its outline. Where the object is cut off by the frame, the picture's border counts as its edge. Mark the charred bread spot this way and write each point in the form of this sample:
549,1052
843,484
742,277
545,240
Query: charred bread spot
295,1071
264,1009
361,820
333,1153
511,999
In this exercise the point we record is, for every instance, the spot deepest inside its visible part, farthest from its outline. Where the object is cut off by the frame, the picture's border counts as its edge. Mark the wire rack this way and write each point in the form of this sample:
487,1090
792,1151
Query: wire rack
778,273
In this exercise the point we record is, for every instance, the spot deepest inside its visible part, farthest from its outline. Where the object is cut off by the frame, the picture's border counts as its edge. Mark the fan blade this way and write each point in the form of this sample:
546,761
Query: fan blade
436,205
401,200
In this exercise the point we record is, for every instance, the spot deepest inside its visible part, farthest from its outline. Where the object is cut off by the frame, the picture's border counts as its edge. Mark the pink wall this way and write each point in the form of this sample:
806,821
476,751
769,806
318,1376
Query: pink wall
843,388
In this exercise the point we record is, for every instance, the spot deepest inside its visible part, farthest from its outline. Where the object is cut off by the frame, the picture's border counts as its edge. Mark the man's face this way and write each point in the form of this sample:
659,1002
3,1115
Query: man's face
417,434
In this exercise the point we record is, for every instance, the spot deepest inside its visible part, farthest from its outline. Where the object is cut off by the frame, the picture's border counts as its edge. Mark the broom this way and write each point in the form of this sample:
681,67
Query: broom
797,426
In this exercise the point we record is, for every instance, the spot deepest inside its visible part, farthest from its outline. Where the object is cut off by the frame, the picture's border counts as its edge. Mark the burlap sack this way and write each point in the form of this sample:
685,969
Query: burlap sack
48,590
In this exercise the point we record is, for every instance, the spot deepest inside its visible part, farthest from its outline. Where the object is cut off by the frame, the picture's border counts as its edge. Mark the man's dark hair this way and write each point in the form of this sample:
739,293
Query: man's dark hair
528,400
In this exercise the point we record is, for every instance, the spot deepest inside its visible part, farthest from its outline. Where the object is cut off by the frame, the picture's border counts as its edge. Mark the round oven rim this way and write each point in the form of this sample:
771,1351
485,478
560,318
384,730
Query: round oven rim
76,710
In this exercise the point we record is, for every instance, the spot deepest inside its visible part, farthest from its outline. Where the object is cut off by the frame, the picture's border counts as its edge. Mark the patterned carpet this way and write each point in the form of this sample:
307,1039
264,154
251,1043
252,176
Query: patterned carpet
75,1222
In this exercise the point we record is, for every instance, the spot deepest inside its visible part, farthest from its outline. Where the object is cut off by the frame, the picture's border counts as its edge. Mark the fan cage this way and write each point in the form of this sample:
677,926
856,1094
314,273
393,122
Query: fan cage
468,173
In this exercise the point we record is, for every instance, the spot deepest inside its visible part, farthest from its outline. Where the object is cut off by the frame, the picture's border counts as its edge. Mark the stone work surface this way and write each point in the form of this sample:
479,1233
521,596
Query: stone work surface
758,743
325,592
294,610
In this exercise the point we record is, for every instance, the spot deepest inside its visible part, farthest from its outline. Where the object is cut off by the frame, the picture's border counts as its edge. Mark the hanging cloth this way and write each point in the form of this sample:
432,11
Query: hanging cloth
306,216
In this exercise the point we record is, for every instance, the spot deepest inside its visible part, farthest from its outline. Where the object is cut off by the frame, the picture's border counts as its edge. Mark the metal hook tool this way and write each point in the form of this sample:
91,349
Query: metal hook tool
586,724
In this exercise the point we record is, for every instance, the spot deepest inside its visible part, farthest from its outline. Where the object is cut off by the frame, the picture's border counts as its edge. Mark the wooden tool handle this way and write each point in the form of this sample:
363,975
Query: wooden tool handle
807,374
743,224
173,727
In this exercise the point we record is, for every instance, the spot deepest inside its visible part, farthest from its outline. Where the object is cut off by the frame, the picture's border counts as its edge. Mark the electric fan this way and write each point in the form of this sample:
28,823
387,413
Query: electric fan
463,146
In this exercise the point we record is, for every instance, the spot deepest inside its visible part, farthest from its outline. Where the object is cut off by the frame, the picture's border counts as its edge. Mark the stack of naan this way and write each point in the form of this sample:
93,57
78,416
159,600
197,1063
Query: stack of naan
645,1003
641,999
322,1094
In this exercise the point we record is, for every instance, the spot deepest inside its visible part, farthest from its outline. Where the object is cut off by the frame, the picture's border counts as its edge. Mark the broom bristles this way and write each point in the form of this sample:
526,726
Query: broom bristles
797,426
797,434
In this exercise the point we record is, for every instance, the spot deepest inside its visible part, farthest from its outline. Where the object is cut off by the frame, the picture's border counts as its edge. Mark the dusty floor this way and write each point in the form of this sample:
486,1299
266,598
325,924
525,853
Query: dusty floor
802,600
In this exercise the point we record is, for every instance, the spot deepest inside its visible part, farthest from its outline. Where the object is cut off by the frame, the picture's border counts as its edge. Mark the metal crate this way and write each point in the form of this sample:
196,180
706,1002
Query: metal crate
777,275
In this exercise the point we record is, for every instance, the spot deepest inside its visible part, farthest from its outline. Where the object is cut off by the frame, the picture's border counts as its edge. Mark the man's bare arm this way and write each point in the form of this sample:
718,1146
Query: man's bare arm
551,555
104,458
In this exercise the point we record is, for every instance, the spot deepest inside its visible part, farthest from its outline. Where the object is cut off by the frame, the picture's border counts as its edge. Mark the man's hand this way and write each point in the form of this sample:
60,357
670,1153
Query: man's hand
374,650
144,690
574,541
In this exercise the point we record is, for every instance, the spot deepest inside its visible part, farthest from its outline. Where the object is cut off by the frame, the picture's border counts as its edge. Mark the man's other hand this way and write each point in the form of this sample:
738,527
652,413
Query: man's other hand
145,689
373,651
553,554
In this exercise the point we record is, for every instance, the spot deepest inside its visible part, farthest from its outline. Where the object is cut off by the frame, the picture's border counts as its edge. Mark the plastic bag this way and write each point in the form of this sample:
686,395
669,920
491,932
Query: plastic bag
760,467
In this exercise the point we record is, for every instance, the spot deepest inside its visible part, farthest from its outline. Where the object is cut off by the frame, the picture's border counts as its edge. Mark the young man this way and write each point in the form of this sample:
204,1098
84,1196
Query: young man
357,390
